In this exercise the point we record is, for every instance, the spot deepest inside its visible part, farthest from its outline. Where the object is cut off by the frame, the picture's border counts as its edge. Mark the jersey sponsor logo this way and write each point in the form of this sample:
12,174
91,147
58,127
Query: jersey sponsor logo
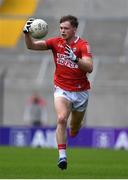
64,61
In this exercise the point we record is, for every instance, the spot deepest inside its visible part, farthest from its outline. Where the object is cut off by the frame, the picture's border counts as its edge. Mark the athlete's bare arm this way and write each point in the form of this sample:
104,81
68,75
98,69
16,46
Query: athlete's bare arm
86,64
35,44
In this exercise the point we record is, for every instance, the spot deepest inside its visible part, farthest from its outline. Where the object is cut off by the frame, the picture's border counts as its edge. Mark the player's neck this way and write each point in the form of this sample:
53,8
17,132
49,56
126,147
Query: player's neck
72,39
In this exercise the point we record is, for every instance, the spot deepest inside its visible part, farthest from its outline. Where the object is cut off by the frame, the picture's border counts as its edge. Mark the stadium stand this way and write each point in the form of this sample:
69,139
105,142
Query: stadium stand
105,25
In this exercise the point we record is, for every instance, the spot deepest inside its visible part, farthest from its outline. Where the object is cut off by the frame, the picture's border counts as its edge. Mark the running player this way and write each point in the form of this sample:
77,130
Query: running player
73,60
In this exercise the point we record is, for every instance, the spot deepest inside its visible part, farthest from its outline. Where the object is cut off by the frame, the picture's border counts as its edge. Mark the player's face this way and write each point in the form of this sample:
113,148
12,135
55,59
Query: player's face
67,31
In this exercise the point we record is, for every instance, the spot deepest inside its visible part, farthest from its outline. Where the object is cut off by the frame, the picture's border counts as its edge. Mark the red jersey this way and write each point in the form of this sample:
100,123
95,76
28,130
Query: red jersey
68,75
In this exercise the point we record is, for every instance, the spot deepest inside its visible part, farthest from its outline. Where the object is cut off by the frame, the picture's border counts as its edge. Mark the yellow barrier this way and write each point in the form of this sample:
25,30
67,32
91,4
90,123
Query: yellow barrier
10,32
11,28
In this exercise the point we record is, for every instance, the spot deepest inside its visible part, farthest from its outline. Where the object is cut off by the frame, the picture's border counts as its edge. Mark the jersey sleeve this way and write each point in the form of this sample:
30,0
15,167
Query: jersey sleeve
51,42
85,50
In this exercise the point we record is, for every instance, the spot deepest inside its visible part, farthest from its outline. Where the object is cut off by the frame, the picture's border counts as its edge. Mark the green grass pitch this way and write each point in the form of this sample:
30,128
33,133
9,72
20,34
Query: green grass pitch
41,163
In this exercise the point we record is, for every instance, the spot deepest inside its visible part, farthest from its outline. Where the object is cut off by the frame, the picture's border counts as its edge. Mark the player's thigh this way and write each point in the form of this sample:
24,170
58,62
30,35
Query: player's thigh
62,107
77,117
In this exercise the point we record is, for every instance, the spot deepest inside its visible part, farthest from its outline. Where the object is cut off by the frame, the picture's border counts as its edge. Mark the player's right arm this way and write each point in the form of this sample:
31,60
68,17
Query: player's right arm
35,44
30,42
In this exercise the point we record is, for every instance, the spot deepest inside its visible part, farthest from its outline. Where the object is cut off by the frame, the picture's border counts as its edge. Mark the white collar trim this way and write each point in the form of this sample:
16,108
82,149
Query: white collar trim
77,39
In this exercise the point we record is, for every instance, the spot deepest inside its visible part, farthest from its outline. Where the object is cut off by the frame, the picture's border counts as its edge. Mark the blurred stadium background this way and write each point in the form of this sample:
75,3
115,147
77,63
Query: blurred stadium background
103,23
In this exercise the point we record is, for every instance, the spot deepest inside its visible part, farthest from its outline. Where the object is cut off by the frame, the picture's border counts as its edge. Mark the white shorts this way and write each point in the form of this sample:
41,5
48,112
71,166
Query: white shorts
79,99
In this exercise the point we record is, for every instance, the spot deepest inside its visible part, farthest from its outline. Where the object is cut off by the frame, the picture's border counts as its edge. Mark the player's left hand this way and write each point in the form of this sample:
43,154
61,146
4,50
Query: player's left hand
70,54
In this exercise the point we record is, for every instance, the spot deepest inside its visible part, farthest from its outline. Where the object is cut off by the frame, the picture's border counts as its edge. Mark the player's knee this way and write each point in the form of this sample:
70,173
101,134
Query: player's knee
61,119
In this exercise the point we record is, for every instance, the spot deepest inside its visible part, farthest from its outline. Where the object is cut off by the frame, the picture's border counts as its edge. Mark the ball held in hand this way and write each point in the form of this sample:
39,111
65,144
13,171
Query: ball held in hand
38,28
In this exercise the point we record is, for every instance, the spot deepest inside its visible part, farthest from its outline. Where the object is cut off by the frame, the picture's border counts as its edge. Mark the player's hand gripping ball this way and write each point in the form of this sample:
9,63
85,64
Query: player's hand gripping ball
38,28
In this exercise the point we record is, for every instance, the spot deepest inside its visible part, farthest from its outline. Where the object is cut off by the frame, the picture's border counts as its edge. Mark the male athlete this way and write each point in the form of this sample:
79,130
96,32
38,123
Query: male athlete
73,61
